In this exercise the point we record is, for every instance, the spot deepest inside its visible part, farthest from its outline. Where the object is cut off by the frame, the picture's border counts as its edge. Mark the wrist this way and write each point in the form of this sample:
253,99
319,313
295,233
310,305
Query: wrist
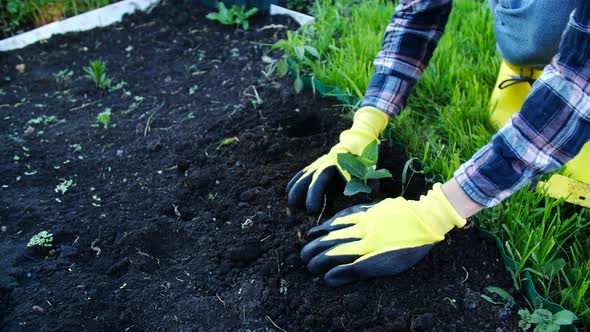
459,200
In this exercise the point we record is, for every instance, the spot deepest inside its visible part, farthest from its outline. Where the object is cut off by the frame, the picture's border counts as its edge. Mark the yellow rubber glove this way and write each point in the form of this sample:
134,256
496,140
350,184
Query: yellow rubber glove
310,184
384,239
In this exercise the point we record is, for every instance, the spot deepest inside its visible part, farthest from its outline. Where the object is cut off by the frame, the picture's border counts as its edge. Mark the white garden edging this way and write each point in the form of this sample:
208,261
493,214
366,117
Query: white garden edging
95,18
297,16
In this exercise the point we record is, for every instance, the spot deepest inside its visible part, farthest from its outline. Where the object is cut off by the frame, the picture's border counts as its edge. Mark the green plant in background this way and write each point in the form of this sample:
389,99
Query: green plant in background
42,239
362,169
298,55
299,5
104,118
97,73
543,320
235,16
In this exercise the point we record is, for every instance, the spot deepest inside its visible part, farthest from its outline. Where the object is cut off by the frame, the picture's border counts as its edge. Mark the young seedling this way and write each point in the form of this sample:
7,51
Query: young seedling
43,239
235,16
227,141
361,169
64,186
104,118
43,120
63,75
97,73
298,55
544,320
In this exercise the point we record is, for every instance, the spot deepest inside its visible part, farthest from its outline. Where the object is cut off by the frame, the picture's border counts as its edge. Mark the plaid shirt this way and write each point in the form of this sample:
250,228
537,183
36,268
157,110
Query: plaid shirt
550,129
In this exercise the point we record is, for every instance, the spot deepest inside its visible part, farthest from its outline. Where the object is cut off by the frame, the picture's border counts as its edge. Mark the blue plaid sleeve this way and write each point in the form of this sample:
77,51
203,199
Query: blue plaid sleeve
551,128
408,45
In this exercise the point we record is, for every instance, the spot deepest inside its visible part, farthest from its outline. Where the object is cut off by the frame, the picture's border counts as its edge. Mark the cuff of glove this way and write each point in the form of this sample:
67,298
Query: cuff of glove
443,217
370,120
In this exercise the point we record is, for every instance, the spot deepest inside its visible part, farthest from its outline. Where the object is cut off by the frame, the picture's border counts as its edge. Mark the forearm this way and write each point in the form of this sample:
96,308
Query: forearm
550,129
409,42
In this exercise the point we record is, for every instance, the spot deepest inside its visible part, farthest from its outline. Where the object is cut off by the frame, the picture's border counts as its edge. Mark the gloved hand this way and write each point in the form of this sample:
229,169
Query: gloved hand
384,239
310,184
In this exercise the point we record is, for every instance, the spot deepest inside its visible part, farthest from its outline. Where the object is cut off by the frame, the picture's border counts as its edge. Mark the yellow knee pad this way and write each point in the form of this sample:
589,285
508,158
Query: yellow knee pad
512,87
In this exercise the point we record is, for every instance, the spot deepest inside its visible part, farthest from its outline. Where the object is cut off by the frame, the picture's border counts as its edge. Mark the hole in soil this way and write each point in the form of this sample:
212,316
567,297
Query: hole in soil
582,198
304,124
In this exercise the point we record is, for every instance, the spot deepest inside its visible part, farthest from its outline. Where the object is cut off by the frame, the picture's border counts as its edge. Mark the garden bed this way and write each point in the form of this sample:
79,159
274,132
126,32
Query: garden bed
163,228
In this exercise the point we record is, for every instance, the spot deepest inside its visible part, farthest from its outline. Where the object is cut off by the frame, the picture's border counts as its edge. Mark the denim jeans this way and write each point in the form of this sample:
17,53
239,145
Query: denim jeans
528,32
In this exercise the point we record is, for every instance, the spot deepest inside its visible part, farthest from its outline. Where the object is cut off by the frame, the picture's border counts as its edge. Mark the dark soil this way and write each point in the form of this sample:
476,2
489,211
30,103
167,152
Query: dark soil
165,231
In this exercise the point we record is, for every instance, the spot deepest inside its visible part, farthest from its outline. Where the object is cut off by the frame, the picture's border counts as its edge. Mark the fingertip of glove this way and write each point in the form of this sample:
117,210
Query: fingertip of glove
340,276
298,192
294,180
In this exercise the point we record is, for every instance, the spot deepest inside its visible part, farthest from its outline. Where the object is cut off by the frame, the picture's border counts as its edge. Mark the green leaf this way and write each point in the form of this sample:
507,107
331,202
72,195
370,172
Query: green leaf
213,16
377,174
524,314
371,152
245,25
300,52
489,299
352,165
251,12
564,317
355,186
311,50
298,84
502,293
540,316
554,266
282,67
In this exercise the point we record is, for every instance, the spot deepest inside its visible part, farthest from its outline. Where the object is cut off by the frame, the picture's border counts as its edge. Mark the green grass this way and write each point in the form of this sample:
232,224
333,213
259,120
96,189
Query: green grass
447,120
17,14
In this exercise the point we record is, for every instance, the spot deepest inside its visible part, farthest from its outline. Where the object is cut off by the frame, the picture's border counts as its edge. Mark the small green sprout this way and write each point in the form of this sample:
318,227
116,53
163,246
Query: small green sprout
104,118
235,16
506,297
64,186
96,200
544,320
97,73
227,141
361,168
63,75
43,239
192,90
76,147
43,120
211,197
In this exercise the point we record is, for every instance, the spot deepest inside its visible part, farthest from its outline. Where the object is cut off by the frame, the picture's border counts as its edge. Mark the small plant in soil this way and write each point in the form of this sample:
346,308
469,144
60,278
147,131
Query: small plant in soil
362,168
104,118
64,186
238,16
43,120
42,239
543,320
63,75
298,54
227,141
97,73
